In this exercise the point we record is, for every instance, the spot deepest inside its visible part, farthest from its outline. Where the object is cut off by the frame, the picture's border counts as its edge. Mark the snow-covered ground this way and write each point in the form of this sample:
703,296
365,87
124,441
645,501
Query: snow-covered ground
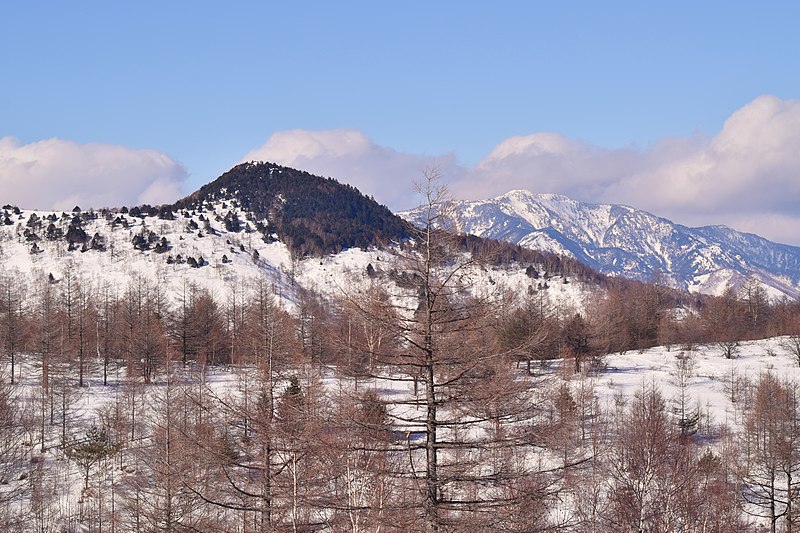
712,384
712,379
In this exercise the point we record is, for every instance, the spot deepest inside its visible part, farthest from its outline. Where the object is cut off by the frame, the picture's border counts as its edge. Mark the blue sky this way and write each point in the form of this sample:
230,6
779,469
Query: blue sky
590,99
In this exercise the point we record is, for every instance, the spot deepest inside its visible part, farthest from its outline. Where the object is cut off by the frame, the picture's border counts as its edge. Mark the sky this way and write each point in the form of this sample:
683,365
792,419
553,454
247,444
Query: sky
689,110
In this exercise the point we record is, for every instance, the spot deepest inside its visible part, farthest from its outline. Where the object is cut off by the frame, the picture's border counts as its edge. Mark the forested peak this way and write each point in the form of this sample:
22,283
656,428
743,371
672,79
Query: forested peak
245,180
311,214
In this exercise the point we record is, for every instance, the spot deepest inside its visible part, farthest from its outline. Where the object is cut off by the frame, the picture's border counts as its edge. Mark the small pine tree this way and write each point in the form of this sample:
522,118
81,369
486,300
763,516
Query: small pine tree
294,392
162,246
89,451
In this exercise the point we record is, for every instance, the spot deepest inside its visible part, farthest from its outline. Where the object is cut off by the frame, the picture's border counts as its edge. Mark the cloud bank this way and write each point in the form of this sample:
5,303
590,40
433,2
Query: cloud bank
350,157
59,174
747,176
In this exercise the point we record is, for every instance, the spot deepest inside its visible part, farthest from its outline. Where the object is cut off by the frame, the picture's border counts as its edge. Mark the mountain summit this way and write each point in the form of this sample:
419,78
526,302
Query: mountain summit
310,214
623,241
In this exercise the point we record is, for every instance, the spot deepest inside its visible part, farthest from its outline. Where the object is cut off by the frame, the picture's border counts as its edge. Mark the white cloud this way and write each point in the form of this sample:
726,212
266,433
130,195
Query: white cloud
751,166
746,176
59,174
545,162
350,157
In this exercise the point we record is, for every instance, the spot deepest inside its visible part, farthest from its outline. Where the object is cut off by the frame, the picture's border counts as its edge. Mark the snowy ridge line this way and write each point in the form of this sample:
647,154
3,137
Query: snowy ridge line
622,241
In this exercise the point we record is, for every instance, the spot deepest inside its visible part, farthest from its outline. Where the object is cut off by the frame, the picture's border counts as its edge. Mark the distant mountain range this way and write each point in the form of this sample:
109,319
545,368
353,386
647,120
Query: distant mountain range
623,241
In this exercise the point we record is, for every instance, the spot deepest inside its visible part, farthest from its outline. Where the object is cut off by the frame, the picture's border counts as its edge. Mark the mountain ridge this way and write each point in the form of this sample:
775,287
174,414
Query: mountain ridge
620,240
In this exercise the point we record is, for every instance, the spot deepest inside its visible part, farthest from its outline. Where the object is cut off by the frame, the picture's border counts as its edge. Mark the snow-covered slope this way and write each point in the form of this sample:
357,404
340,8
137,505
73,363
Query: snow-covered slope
620,240
197,246
222,258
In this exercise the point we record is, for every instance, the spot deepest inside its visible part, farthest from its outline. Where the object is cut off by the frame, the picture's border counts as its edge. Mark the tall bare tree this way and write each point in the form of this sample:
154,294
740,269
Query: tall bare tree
466,407
13,464
651,469
13,318
155,496
772,477
143,328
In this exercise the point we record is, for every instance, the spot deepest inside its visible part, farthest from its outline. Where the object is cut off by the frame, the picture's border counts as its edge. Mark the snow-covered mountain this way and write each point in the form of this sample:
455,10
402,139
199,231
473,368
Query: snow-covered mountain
623,241
257,221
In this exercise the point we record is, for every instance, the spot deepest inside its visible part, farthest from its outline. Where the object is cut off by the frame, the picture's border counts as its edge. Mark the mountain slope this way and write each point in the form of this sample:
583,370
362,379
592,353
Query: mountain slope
622,241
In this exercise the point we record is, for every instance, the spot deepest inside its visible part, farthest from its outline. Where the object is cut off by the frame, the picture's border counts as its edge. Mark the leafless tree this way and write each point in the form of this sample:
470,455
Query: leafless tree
791,343
154,496
361,465
13,318
46,327
105,345
208,321
530,331
14,468
756,303
86,325
725,320
248,459
181,330
772,479
142,327
578,341
235,318
467,410
651,469
687,416
300,474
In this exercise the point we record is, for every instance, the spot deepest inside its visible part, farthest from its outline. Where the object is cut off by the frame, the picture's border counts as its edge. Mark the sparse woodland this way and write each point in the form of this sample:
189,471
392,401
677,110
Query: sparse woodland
415,402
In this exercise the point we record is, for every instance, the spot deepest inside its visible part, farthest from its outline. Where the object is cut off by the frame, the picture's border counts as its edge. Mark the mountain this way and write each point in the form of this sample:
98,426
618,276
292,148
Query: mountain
622,241
258,220
312,215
